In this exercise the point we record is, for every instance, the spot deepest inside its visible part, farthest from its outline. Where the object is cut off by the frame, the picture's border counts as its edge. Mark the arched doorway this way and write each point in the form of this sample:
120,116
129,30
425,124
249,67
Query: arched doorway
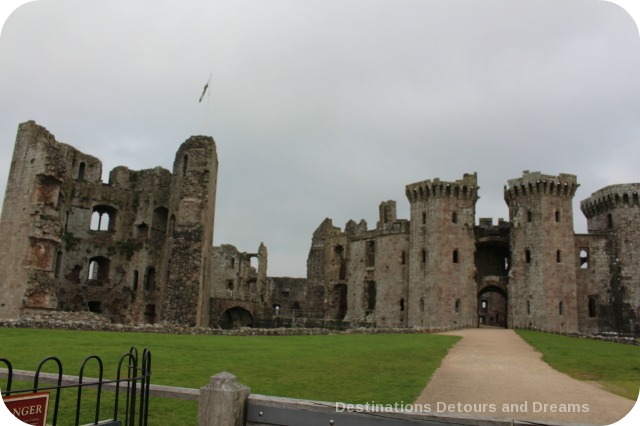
493,306
235,318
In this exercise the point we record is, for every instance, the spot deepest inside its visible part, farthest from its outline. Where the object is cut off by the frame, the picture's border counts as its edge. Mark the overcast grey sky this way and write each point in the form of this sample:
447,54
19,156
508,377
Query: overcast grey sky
326,108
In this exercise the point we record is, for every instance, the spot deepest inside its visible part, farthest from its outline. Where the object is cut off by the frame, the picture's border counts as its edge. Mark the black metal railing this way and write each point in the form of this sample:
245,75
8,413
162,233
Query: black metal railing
131,387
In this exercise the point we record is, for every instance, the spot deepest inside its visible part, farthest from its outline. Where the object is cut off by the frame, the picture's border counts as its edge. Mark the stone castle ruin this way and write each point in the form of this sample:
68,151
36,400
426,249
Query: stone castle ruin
139,250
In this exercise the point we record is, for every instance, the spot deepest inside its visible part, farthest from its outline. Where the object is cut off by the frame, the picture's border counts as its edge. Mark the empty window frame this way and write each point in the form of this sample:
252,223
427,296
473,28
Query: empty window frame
593,306
99,269
371,253
584,258
103,218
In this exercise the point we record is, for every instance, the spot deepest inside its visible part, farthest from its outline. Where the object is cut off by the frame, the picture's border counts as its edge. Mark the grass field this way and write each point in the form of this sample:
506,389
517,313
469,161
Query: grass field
349,368
615,366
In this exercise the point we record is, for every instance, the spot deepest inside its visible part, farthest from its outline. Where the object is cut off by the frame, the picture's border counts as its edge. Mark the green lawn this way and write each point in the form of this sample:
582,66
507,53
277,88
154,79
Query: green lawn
615,366
349,368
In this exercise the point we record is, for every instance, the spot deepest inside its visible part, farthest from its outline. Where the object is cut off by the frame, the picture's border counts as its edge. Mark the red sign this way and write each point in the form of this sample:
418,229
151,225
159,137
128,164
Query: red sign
29,408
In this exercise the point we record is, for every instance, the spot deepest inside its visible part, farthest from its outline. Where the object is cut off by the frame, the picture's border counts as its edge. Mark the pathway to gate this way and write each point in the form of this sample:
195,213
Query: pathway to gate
491,367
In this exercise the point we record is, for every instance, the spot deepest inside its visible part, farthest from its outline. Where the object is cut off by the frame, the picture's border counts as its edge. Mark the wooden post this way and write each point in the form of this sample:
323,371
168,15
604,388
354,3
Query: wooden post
222,402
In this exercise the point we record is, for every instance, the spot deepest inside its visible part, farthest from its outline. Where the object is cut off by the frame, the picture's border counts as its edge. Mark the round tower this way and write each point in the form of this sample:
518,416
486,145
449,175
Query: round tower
542,279
614,212
441,253
190,233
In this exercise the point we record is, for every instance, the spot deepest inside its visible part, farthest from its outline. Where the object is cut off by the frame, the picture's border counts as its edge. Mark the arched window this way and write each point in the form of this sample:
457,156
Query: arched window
421,305
185,163
558,256
528,307
529,216
99,270
557,215
584,258
458,306
560,308
609,221
454,217
401,305
527,256
455,256
103,218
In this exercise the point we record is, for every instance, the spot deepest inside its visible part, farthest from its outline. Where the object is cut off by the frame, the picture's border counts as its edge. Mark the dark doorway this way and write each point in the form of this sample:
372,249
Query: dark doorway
492,307
235,318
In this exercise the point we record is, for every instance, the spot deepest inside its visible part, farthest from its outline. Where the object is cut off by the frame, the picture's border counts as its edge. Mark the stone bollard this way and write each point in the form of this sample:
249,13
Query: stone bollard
222,402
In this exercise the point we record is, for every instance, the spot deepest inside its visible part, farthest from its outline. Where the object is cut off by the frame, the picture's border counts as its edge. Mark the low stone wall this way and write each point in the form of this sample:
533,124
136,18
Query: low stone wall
605,336
90,321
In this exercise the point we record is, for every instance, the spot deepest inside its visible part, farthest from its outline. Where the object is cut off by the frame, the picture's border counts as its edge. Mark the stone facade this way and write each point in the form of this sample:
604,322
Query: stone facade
138,250
438,270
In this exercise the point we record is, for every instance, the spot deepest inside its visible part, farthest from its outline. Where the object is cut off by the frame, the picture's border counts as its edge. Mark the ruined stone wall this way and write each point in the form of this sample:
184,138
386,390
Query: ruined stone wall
319,273
192,209
614,212
92,246
114,239
235,281
34,212
542,282
391,268
441,253
593,276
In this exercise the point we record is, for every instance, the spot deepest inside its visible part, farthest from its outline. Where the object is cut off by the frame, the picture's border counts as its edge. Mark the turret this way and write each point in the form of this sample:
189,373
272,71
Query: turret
441,252
190,242
542,284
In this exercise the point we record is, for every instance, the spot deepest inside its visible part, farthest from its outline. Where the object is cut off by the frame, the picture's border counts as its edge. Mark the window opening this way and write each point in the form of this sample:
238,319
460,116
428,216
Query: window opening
593,304
584,258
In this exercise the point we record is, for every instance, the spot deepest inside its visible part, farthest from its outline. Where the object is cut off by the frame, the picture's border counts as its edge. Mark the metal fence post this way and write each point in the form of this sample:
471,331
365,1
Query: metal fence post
222,402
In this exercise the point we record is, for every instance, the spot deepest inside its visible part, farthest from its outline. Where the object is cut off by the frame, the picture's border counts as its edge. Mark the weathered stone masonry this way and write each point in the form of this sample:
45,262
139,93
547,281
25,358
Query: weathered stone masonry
139,250
439,270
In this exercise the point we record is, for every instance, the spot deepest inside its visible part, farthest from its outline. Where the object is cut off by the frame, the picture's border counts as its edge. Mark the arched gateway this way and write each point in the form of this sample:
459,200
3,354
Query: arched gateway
493,305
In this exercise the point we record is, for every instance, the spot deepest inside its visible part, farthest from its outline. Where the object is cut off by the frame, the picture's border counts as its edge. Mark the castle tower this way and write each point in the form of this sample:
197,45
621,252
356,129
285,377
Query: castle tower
542,279
190,237
614,212
33,217
441,253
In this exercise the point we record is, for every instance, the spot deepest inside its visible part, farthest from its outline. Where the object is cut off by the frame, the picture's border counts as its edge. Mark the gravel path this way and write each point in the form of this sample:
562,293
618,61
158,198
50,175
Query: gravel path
489,368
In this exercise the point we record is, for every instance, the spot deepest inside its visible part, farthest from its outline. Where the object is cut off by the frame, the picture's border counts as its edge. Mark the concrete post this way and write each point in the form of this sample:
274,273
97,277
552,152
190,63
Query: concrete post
222,402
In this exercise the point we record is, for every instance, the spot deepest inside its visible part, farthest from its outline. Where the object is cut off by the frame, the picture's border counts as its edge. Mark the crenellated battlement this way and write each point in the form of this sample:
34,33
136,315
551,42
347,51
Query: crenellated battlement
536,183
465,188
610,198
